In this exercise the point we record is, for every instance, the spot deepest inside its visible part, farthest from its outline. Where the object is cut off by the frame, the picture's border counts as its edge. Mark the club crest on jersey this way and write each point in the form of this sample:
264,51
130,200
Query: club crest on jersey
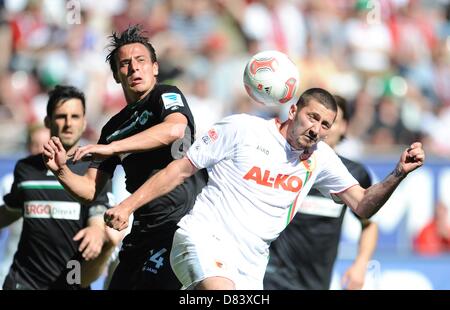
210,136
308,161
172,101
212,133
286,182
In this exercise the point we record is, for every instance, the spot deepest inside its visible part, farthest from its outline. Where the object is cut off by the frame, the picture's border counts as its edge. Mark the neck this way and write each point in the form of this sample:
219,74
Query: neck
282,128
134,97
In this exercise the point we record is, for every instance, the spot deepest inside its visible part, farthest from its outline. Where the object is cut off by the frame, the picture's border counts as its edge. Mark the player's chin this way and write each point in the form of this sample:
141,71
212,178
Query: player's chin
305,142
68,143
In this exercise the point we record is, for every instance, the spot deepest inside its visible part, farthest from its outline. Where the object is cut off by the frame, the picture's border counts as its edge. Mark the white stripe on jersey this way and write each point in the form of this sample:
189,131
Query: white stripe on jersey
322,206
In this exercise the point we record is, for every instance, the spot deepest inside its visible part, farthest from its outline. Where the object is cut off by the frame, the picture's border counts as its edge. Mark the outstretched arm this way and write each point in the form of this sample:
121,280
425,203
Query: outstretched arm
353,278
172,128
367,202
158,185
83,187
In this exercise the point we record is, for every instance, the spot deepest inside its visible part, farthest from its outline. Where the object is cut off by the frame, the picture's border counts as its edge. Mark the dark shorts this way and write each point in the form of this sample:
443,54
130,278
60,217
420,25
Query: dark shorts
14,281
280,276
147,266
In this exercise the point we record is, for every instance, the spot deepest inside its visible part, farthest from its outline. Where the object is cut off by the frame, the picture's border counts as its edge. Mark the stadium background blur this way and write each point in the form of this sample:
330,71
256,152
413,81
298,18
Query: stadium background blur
389,58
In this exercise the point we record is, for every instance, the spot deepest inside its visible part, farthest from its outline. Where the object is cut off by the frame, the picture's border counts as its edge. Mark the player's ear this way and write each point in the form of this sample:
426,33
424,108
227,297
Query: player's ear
155,69
292,112
47,122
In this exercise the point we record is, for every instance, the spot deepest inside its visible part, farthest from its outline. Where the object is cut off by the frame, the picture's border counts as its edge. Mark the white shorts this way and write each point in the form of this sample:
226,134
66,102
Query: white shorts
200,253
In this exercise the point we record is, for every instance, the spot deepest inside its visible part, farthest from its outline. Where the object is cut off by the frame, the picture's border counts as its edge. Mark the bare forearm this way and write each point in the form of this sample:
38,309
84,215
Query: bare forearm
81,187
160,184
367,243
377,195
155,137
92,269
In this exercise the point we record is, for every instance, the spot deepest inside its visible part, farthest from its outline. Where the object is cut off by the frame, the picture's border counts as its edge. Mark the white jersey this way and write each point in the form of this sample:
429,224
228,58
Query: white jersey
257,182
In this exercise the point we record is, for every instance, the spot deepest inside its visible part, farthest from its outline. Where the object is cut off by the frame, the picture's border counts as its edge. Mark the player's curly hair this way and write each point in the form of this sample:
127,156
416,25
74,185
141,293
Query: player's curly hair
133,34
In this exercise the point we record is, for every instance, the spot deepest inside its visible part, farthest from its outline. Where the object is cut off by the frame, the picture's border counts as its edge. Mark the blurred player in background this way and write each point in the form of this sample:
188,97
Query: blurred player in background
37,136
56,228
302,257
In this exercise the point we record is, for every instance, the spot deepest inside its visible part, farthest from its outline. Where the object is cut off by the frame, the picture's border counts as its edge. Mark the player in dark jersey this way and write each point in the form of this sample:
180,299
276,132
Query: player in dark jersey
154,128
302,257
56,228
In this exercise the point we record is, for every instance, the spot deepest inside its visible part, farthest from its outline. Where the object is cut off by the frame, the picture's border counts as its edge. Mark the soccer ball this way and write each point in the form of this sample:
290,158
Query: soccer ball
271,78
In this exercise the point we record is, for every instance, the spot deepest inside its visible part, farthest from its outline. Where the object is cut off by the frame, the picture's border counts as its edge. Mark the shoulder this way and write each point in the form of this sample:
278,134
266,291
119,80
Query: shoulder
113,122
168,93
324,149
32,160
243,120
358,171
164,88
29,166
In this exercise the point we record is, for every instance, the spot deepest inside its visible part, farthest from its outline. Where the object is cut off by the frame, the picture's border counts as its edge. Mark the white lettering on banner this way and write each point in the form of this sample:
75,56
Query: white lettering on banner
52,209
320,206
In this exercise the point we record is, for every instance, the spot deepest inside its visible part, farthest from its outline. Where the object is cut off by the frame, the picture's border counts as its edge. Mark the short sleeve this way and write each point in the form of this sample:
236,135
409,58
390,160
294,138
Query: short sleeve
334,177
218,143
14,199
173,101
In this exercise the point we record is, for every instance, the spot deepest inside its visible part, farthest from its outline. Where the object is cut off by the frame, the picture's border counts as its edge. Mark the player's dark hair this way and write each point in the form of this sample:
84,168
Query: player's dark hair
342,104
133,34
61,94
320,95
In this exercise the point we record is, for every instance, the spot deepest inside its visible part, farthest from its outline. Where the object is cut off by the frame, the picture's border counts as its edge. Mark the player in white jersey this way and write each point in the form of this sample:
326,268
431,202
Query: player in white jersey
259,172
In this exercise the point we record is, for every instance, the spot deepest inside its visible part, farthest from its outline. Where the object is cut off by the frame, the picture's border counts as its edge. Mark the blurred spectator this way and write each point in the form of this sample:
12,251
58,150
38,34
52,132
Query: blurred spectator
370,44
435,237
276,24
193,21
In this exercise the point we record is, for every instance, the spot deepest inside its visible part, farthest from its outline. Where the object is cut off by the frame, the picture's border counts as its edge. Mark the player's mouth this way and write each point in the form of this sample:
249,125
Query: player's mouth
311,139
135,81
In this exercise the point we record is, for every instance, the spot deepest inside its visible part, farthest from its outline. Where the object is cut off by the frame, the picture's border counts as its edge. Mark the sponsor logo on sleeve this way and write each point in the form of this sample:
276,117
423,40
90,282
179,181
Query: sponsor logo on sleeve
172,101
212,133
210,136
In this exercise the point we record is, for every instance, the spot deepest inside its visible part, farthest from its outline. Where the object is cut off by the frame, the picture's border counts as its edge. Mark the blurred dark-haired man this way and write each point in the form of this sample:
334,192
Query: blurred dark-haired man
57,229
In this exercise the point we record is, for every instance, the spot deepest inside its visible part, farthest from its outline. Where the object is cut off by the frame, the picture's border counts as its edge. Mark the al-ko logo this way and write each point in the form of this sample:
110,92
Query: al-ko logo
286,182
52,209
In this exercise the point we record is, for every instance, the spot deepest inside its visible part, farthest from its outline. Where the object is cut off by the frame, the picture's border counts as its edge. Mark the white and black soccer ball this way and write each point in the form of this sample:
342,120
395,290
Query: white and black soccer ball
271,78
